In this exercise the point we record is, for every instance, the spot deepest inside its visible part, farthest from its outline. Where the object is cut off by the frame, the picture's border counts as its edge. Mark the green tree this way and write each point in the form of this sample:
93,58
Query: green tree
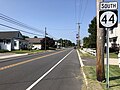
35,37
86,42
49,42
65,43
25,37
92,30
93,33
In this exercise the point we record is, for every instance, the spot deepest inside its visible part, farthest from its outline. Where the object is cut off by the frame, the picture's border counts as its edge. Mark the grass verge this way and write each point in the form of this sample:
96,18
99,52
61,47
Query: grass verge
26,51
93,84
112,55
86,55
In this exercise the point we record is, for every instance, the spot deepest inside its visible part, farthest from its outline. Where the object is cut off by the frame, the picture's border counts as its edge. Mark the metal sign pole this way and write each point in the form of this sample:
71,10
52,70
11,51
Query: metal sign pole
107,51
108,18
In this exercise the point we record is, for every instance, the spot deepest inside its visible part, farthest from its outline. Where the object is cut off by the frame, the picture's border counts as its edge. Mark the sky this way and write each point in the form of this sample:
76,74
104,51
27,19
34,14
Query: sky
60,17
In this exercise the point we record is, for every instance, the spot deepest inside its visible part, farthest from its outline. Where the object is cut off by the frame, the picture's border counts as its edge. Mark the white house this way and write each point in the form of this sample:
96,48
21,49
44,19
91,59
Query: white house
12,40
114,36
35,43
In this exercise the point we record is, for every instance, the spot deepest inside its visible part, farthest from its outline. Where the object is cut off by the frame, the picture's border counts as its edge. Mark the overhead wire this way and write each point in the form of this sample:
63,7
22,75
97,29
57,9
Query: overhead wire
82,17
76,10
11,20
16,22
19,29
80,8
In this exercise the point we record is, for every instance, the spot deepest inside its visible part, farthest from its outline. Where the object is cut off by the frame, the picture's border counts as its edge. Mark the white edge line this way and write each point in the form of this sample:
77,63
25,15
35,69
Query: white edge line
86,82
30,87
80,59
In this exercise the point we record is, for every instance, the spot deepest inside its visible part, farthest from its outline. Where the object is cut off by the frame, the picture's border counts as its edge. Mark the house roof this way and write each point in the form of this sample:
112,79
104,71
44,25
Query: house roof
10,35
34,40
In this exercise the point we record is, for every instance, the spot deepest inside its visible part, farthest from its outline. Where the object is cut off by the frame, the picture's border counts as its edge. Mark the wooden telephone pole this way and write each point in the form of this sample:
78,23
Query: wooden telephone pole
100,70
45,38
78,39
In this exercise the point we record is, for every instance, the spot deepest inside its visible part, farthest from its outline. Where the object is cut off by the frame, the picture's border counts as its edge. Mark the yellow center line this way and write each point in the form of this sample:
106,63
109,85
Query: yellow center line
30,60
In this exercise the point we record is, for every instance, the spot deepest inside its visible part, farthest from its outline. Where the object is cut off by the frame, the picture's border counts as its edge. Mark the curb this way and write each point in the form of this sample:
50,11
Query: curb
10,56
81,63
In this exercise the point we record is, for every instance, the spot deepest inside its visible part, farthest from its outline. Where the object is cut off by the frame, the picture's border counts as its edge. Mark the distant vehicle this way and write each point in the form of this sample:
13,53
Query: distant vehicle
74,47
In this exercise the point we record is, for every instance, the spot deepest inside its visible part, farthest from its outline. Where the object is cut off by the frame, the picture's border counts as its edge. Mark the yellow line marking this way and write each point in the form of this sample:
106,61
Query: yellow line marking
20,63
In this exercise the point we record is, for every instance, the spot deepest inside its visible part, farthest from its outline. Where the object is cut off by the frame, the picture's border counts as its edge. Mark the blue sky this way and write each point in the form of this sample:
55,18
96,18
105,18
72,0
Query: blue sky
59,16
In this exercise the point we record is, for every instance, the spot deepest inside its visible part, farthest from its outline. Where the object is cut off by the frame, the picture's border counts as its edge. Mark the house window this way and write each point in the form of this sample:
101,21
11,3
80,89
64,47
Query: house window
111,40
7,41
114,40
1,40
15,43
112,31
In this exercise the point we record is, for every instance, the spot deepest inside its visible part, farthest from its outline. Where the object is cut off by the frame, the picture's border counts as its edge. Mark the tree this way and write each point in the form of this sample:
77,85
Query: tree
86,42
49,43
91,40
25,37
93,32
65,42
35,37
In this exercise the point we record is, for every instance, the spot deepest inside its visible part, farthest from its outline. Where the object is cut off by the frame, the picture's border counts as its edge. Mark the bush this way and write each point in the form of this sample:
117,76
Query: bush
111,50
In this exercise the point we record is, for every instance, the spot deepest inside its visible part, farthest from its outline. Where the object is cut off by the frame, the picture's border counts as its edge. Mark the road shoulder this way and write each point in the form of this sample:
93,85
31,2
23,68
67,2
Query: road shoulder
89,84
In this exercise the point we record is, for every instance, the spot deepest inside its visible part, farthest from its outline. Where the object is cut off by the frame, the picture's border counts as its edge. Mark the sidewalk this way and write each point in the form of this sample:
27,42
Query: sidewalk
112,61
9,55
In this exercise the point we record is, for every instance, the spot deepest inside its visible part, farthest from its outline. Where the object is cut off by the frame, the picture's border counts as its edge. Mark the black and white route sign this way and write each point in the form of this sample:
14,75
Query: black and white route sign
108,14
108,19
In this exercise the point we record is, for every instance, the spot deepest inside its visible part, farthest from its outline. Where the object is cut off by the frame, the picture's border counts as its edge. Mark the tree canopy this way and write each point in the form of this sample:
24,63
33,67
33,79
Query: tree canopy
65,42
35,37
92,30
50,42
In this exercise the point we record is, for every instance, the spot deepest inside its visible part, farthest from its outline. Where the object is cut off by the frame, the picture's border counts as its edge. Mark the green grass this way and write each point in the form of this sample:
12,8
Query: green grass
112,55
4,51
90,72
114,78
86,55
26,51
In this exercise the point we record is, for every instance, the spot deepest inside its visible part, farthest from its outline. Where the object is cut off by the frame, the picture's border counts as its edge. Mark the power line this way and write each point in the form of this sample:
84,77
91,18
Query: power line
16,22
78,10
51,36
19,29
82,17
81,7
75,10
61,29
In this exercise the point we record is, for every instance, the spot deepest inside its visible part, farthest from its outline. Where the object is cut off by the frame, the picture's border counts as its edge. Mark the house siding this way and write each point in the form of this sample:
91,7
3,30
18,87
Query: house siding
5,46
37,46
15,40
114,39
115,34
16,44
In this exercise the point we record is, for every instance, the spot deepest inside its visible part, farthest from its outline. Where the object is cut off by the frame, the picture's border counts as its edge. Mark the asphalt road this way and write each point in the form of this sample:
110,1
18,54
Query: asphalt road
57,70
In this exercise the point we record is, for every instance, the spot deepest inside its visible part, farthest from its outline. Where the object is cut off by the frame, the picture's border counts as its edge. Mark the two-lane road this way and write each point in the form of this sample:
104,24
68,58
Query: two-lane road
58,70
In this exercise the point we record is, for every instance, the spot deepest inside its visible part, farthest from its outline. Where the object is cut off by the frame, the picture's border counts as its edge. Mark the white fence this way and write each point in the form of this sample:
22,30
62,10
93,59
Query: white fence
91,51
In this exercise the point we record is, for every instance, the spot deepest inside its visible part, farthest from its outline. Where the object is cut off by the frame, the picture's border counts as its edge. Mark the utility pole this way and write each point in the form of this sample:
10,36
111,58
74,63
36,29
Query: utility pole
45,38
78,39
100,69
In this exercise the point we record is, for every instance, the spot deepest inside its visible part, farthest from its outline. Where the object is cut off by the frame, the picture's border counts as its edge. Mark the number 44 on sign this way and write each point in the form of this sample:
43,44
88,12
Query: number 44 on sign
108,19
